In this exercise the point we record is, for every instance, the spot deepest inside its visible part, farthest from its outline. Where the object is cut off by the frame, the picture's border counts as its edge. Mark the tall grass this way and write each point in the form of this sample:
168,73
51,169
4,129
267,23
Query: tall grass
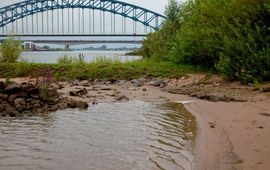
66,59
107,60
102,69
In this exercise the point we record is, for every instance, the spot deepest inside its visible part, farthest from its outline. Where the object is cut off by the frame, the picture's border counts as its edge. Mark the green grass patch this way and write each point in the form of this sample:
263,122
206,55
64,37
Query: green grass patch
100,69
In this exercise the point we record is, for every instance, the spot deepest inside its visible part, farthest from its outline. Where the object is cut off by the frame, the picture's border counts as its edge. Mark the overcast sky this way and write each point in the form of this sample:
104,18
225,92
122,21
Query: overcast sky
155,5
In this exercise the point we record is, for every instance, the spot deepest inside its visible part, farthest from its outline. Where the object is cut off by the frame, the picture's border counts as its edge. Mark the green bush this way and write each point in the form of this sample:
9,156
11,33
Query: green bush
228,36
10,50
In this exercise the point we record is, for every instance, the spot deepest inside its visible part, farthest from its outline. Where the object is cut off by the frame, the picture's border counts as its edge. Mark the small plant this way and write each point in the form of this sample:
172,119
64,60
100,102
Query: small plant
106,60
256,85
80,59
65,59
8,81
46,83
10,50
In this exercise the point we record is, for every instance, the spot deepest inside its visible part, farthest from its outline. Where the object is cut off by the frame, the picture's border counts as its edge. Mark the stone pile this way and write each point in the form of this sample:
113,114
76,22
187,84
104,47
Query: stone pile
26,100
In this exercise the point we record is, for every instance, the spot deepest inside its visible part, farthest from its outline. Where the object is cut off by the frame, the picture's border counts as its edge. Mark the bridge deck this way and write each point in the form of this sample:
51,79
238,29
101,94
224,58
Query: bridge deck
76,35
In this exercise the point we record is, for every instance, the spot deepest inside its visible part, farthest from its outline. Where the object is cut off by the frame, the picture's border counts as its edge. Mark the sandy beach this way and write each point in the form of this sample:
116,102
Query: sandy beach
233,119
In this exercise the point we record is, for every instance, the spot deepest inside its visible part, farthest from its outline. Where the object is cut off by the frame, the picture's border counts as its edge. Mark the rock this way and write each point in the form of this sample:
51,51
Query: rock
71,104
53,108
142,79
121,82
60,86
12,112
108,82
34,96
76,83
2,85
63,105
137,82
24,82
122,97
132,88
265,88
32,90
51,95
2,107
80,92
94,103
81,105
217,98
12,97
144,89
162,86
157,82
105,88
26,100
3,96
12,89
19,101
85,83
20,104
35,101
36,106
183,90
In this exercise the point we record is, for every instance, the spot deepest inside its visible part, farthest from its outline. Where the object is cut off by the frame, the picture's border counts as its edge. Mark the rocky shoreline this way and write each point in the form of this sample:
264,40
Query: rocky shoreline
27,99
232,118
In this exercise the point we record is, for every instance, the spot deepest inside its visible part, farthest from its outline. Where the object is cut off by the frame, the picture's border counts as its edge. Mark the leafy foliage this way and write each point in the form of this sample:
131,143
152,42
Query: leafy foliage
10,50
229,36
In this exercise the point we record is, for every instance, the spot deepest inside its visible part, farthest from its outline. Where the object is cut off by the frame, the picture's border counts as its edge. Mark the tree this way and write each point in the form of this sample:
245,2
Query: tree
11,50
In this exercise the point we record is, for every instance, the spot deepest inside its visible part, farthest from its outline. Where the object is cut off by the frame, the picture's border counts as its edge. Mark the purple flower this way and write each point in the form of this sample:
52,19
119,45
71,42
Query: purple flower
49,75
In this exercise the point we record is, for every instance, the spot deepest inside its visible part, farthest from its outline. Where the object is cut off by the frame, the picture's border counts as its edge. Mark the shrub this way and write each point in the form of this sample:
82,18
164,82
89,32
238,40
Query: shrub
229,36
11,50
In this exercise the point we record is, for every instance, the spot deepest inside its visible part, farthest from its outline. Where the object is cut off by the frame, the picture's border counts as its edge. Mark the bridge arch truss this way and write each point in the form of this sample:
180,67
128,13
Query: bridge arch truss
10,14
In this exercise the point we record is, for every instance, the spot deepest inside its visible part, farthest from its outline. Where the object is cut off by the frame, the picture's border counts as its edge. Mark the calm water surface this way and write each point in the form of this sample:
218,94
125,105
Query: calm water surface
52,56
108,136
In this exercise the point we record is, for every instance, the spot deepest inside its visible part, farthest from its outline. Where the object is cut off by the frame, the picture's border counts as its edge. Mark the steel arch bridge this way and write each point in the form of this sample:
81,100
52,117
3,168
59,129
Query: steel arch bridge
10,15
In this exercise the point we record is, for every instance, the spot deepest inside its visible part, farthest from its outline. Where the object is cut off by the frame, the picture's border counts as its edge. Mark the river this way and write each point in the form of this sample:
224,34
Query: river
52,56
107,136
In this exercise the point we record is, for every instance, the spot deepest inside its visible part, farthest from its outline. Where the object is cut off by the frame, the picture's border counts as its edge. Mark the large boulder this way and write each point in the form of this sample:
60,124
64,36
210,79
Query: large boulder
13,88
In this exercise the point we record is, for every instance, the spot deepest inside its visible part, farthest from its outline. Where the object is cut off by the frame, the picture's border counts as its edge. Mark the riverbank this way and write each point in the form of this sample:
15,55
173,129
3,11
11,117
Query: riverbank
233,119
102,68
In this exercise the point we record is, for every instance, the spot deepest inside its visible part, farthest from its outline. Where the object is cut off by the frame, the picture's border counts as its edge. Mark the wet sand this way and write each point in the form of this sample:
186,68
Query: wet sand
231,135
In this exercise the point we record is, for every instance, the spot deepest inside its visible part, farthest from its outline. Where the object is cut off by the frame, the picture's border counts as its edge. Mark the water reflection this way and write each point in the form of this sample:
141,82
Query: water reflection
109,136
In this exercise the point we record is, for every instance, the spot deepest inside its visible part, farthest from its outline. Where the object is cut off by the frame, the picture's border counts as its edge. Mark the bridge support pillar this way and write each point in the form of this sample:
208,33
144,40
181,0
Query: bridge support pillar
67,46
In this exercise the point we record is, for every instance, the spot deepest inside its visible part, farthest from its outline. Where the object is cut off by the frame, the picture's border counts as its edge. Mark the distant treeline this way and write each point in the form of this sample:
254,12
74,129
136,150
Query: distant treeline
231,37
